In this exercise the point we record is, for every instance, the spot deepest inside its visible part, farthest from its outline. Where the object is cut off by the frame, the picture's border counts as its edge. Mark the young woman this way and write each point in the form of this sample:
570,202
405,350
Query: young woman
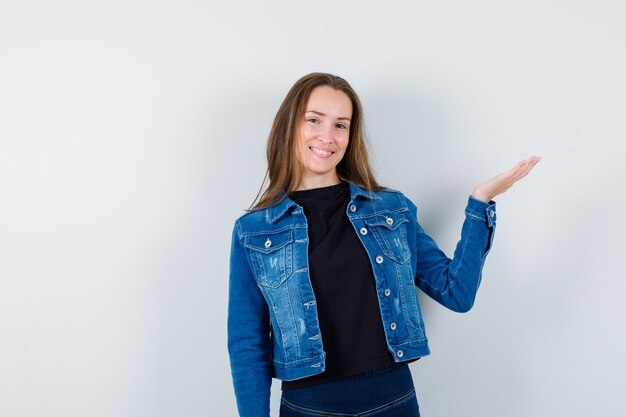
324,268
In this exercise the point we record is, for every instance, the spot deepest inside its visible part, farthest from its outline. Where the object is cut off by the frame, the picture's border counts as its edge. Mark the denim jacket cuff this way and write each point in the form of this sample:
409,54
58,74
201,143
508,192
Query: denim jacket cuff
480,210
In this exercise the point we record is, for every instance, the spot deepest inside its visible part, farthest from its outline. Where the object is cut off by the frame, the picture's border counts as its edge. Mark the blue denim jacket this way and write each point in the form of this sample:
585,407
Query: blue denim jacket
273,328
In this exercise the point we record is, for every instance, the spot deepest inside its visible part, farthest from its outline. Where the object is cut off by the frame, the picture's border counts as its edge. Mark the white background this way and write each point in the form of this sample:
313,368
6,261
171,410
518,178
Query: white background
132,134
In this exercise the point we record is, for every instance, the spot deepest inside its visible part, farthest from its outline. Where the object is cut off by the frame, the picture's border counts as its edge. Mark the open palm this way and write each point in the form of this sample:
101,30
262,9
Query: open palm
497,185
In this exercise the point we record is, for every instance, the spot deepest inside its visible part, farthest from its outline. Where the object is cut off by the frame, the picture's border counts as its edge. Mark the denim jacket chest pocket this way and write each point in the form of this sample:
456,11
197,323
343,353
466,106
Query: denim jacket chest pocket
271,256
390,233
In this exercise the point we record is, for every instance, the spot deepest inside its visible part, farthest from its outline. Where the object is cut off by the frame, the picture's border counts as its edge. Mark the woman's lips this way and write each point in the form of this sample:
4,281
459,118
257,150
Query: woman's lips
321,152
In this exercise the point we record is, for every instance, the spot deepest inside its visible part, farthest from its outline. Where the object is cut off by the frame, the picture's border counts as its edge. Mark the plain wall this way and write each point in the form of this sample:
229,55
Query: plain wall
132,134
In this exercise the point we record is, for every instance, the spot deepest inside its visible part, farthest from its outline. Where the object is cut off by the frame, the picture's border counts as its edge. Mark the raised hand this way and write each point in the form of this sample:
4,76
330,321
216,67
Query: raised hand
497,185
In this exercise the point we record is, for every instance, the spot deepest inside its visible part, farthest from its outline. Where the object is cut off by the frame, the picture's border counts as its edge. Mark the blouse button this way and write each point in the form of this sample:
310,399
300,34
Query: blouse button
379,259
363,231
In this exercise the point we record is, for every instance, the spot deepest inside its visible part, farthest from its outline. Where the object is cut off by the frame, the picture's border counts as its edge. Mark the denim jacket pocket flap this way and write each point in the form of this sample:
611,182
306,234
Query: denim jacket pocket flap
271,256
390,221
269,242
390,232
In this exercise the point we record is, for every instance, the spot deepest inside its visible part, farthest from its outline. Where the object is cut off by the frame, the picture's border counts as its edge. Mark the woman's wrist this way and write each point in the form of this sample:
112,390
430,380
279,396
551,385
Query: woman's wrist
482,197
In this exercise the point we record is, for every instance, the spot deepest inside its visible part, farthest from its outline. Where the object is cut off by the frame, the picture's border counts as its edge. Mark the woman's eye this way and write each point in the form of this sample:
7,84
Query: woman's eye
313,120
341,126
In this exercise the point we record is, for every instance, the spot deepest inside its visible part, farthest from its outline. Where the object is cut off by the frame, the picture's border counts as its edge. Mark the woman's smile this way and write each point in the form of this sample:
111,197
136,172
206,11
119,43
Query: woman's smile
321,152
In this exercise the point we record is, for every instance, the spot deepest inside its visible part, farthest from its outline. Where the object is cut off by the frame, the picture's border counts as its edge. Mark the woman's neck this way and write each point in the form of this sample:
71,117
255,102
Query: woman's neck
318,181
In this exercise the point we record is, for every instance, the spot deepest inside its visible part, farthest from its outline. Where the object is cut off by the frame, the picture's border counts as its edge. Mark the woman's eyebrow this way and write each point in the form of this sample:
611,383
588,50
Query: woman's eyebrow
322,114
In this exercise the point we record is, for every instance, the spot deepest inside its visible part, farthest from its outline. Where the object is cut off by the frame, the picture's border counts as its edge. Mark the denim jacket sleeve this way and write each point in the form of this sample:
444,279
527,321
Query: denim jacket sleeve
454,282
249,340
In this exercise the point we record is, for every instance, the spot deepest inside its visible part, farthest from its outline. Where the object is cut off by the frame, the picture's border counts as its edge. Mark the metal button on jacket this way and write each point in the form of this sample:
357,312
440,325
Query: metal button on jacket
387,292
353,208
400,353
389,221
363,231
379,259
392,326
268,243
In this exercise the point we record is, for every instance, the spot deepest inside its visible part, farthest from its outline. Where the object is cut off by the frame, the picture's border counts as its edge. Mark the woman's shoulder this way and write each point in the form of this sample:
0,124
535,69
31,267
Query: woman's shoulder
264,219
383,192
387,199
252,216
391,193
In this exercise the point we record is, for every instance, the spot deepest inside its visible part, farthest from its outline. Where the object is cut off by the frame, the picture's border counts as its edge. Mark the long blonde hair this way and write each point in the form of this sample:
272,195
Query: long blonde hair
283,167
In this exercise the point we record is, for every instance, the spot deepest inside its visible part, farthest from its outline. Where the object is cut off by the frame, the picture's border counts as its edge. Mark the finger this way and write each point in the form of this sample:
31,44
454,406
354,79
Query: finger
521,169
524,163
530,161
534,160
523,172
528,166
515,170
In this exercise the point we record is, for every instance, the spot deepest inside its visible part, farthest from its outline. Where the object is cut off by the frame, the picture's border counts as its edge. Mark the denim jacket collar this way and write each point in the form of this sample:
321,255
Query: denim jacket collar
276,212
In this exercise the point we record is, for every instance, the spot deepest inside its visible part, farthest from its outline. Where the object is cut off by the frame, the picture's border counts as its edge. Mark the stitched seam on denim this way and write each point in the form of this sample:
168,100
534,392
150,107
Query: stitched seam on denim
312,359
366,413
403,296
410,342
384,224
263,277
282,333
379,236
267,232
402,293
246,253
405,245
476,217
381,241
238,229
402,199
492,232
260,268
377,213
469,233
484,257
293,322
423,281
416,307
319,413
281,213
372,194
307,306
288,262
390,404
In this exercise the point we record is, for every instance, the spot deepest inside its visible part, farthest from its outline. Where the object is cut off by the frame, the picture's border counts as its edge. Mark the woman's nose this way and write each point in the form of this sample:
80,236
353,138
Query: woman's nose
326,134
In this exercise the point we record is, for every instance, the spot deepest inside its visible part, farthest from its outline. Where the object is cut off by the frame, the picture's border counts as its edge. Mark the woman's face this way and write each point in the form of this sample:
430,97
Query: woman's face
323,136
